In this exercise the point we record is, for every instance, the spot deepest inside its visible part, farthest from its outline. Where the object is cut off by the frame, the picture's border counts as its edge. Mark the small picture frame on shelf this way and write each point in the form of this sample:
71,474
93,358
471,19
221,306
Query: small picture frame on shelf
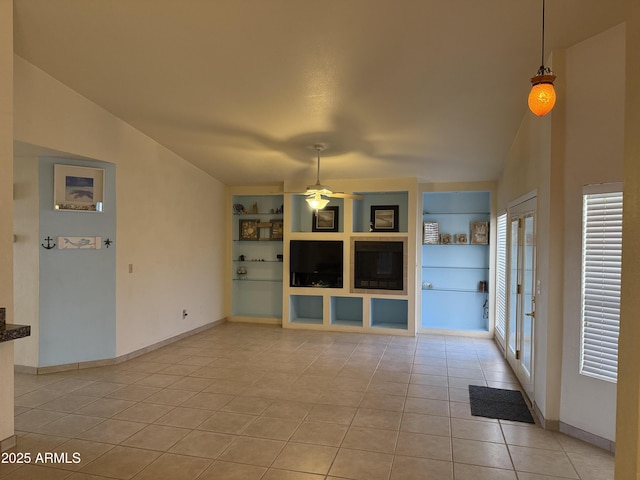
249,230
384,218
264,232
325,220
277,230
445,239
461,238
431,233
479,233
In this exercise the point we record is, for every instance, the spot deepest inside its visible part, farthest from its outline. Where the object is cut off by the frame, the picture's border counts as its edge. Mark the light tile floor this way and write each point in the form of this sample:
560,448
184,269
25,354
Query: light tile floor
254,402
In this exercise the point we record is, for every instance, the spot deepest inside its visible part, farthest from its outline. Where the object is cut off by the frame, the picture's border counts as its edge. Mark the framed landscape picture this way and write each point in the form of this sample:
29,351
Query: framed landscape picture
384,218
78,189
325,220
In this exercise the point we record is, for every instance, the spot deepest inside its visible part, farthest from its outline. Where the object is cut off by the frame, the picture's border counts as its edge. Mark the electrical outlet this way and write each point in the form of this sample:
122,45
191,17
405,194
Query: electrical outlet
184,313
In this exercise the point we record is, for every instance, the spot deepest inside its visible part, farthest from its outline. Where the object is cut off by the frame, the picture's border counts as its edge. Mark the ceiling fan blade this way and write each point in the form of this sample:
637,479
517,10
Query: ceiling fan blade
344,195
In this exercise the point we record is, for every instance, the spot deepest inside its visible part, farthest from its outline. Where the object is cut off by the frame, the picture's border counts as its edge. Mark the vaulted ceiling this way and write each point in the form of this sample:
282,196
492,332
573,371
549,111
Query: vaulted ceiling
244,88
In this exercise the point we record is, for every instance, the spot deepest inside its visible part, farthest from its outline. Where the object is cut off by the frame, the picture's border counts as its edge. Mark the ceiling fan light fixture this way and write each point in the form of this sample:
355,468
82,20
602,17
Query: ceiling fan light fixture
542,96
316,201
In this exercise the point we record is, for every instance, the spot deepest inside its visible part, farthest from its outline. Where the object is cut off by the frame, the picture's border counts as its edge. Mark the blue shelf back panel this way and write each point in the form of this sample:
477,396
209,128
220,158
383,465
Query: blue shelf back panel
362,209
453,310
302,214
347,309
457,256
306,306
257,299
454,279
456,202
389,311
264,202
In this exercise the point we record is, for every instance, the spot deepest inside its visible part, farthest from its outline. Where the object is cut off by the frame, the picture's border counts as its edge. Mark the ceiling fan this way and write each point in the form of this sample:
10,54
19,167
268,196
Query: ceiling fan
316,192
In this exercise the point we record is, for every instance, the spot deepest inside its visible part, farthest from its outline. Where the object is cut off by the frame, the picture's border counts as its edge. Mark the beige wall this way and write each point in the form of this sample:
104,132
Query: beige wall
6,212
170,215
556,155
26,256
594,142
628,423
529,168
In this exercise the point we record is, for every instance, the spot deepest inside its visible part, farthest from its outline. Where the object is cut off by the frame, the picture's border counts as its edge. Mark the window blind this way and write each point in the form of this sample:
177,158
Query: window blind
601,275
501,276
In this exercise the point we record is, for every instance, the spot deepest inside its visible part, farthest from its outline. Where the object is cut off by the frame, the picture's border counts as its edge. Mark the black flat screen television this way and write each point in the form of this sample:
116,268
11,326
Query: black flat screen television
379,265
315,263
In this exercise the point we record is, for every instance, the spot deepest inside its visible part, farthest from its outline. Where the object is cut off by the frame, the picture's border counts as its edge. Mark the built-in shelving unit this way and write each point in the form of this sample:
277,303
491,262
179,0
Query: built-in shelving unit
455,271
322,303
257,229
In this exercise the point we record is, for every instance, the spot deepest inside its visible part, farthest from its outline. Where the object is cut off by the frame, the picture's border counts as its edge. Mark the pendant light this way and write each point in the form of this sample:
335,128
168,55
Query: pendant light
542,97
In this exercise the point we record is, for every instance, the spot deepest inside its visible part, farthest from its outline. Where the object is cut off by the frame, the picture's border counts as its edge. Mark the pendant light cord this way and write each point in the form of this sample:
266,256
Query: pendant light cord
542,61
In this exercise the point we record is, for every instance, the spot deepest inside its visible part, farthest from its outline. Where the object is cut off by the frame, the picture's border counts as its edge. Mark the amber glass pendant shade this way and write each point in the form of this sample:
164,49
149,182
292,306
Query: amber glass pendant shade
542,97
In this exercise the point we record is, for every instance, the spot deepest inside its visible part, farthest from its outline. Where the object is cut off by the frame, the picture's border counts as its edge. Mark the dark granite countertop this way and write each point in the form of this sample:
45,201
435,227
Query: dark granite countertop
10,331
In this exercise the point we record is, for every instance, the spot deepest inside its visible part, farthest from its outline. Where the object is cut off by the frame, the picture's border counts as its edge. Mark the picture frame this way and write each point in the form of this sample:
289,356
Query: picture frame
445,239
277,229
461,238
431,233
79,243
479,233
78,189
264,230
249,229
384,218
325,220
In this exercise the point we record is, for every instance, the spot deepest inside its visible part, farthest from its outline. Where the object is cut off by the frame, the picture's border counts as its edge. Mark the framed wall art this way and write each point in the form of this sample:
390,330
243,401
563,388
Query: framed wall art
78,189
277,229
479,233
249,229
384,218
325,220
431,231
461,238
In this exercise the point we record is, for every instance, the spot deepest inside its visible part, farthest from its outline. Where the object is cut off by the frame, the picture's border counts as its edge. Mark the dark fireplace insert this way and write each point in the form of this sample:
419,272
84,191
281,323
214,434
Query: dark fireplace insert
379,265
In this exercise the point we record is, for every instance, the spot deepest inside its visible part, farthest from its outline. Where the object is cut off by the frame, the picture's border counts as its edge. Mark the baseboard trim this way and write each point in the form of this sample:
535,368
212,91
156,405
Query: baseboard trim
257,320
114,361
8,443
588,437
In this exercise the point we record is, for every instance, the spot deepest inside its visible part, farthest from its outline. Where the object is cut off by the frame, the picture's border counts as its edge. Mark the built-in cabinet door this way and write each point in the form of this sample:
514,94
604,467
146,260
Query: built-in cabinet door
521,292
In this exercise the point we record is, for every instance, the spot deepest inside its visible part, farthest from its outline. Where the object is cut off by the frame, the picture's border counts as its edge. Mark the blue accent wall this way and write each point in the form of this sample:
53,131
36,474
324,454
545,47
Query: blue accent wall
77,287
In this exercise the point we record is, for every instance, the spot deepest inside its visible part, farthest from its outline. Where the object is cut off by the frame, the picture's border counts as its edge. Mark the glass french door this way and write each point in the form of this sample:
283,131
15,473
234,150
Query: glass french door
521,292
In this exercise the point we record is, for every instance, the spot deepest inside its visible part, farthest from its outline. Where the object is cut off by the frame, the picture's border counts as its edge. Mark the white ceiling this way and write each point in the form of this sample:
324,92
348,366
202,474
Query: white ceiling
244,88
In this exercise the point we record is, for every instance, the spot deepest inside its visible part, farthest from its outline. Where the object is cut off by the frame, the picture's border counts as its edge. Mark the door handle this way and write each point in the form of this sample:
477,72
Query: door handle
532,314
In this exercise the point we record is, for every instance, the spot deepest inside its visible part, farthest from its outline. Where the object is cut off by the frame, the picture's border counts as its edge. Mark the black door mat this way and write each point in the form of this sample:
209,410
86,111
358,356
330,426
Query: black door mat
498,403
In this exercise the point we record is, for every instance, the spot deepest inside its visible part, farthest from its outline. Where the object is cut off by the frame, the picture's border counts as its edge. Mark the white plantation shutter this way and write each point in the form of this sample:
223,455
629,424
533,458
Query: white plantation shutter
501,276
601,273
